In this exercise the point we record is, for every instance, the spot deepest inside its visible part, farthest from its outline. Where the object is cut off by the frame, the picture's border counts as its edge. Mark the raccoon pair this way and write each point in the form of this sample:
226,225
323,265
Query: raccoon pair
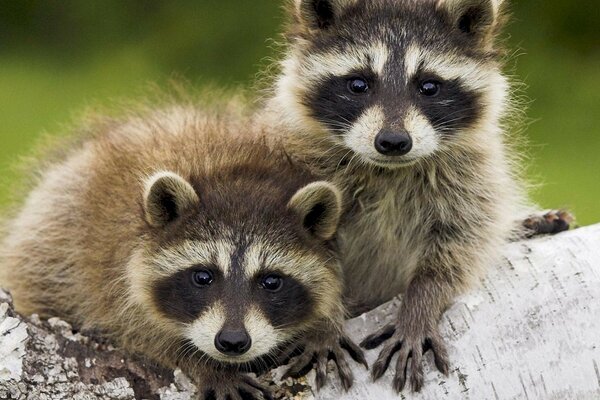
209,243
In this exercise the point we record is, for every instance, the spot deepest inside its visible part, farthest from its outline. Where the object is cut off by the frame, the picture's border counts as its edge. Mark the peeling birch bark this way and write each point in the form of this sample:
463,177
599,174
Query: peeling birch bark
530,331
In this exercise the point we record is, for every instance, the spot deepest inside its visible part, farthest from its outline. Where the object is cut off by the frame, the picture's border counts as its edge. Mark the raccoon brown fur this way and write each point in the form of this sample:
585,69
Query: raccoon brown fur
183,237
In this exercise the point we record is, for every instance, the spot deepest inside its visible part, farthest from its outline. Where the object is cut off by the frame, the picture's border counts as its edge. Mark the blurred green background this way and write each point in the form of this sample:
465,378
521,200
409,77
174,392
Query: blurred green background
59,56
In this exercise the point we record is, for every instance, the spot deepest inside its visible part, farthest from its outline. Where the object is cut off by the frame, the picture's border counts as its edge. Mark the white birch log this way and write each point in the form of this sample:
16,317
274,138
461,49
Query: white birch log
531,331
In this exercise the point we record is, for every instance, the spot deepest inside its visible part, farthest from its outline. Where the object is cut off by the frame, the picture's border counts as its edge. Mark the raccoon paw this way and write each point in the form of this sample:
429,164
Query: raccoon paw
234,387
410,347
552,222
316,353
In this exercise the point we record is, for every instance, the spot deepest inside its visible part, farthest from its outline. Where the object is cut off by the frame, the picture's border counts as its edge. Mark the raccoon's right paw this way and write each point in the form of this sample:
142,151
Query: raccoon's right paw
318,350
552,222
234,387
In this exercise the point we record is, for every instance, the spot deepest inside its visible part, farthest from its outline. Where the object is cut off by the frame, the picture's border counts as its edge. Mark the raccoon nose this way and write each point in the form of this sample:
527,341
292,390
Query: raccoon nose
233,343
391,143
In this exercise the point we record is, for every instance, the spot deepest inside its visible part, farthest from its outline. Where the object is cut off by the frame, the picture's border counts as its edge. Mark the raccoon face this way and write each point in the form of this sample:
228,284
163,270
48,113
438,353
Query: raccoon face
238,294
394,81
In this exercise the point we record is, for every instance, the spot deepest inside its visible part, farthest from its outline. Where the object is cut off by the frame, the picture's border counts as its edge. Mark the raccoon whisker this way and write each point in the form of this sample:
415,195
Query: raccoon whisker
190,350
345,123
355,156
462,110
333,153
342,159
185,350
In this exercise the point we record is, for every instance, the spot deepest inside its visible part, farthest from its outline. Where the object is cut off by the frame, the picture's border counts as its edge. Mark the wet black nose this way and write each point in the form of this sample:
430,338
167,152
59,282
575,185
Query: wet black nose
233,343
391,143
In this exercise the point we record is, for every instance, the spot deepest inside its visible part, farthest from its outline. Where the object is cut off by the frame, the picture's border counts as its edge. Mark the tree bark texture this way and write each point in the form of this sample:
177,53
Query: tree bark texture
531,330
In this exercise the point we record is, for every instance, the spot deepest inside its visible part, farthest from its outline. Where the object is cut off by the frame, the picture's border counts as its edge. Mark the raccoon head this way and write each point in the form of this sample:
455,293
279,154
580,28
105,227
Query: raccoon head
394,81
232,288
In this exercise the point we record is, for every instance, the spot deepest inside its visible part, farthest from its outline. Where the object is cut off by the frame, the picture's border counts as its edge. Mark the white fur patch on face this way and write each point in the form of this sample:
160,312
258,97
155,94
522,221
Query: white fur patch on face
379,54
189,253
203,331
265,338
425,139
139,276
412,60
261,257
253,260
448,66
342,63
361,137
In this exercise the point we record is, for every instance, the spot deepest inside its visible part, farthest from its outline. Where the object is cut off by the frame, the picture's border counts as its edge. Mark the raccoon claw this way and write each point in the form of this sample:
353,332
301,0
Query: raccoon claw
553,222
236,388
317,353
354,351
410,348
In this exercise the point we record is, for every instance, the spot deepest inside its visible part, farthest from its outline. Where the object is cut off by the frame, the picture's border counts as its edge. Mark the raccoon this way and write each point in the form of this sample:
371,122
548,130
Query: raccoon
183,239
402,104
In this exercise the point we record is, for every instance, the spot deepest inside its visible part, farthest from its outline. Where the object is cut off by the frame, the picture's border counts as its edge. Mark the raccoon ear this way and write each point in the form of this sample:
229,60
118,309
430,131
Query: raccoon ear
477,18
166,196
320,14
319,204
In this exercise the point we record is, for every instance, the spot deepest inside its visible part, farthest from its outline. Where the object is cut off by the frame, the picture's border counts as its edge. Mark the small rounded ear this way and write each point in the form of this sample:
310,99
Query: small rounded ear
166,196
472,17
319,205
320,14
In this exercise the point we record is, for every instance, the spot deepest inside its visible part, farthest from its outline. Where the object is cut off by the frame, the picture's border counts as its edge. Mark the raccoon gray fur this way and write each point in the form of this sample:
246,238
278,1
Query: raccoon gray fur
402,103
184,239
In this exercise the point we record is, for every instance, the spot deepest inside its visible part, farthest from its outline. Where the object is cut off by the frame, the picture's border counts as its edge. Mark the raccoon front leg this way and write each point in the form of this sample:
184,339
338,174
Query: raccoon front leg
218,381
415,331
231,385
317,349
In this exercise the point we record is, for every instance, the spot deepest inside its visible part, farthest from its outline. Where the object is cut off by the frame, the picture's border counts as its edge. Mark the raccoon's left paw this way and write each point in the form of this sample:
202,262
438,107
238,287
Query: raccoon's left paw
318,350
410,346
552,222
234,387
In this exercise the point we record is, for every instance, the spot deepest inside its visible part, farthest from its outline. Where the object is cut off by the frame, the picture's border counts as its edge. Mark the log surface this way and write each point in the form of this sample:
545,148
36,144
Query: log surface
530,331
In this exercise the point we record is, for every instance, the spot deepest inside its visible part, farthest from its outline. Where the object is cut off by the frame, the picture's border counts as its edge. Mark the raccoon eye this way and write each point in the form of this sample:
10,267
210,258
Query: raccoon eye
358,85
202,278
429,88
272,283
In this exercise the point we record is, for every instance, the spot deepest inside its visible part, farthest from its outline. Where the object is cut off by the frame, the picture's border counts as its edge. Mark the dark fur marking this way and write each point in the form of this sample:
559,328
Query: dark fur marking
238,257
446,231
374,341
324,13
454,108
291,305
177,298
314,217
169,206
475,18
335,106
